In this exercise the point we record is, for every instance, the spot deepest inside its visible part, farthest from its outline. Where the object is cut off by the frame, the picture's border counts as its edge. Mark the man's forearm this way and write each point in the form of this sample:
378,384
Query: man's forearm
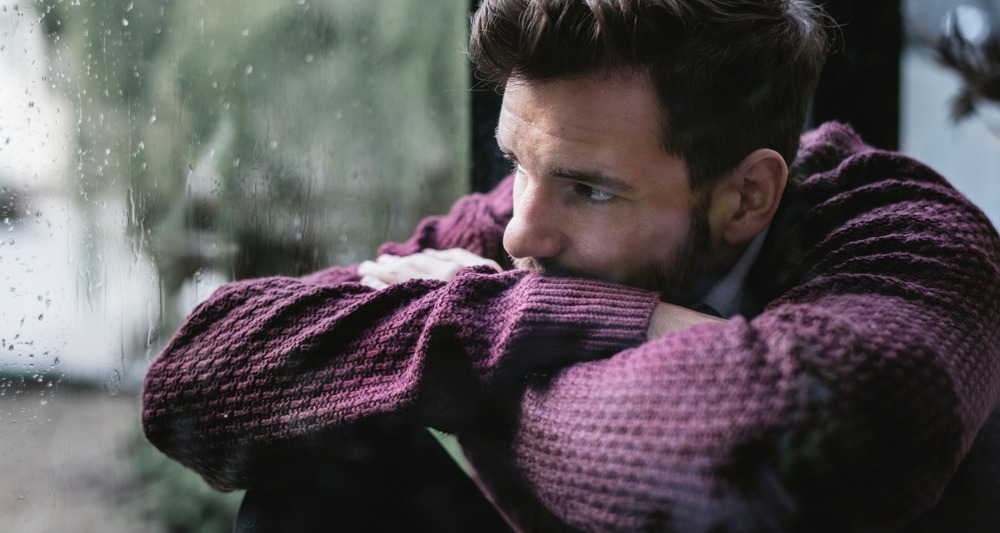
269,374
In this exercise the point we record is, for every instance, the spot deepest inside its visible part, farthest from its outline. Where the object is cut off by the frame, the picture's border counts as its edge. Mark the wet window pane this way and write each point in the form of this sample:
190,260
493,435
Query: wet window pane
966,151
151,151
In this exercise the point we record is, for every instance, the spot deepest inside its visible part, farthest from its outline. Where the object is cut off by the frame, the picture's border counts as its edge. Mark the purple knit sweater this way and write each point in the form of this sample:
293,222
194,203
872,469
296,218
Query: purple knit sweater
847,399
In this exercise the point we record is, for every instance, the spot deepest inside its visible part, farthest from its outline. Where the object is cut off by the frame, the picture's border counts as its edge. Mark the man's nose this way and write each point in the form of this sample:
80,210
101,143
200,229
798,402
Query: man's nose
534,230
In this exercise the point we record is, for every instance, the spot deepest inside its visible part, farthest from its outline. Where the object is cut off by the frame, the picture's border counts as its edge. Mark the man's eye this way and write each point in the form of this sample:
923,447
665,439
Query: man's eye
518,169
593,195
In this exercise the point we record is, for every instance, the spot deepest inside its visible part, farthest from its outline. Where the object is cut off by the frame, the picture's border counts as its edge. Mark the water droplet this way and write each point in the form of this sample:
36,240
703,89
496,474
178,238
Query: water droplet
112,382
245,32
124,22
249,69
309,58
152,119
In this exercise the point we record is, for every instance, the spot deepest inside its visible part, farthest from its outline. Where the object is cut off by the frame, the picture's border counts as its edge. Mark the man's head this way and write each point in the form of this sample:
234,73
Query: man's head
720,88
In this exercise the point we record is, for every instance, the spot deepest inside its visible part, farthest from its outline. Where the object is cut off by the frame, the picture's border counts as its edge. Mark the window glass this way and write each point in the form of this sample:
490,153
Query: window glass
151,151
965,151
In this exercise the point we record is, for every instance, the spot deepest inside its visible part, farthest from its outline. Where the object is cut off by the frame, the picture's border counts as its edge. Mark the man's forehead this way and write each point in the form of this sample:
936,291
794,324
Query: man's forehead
585,110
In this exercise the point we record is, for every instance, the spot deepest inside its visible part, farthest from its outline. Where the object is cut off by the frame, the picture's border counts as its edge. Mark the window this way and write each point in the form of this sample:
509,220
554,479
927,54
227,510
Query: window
966,152
151,151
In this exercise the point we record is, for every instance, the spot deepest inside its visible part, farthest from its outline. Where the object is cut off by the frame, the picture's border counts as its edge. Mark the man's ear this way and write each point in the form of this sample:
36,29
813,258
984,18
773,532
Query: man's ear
744,202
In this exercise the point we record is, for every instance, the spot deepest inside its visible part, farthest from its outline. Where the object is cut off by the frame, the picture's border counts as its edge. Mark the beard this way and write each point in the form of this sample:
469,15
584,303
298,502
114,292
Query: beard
686,276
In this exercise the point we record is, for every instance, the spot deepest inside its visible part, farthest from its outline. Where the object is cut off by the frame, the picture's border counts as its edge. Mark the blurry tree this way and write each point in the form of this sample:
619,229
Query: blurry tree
253,137
174,499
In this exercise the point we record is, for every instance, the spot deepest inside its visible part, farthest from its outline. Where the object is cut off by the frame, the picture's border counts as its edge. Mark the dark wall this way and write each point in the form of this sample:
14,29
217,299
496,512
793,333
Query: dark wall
860,84
488,163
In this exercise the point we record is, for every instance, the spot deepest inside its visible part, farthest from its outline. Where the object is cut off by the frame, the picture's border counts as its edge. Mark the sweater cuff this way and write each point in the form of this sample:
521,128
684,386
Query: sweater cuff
602,318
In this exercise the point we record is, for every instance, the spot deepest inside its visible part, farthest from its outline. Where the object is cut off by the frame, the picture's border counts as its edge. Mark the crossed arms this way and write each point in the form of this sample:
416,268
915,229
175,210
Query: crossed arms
849,401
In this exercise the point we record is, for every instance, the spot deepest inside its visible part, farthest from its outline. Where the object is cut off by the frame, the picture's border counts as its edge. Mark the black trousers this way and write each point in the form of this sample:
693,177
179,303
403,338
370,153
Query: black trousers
409,484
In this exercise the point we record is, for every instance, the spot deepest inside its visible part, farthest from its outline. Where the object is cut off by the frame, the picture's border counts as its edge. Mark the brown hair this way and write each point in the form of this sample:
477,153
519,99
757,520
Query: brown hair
731,76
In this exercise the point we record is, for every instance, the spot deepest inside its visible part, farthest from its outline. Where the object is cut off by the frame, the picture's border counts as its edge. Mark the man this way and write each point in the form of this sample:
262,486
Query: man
657,170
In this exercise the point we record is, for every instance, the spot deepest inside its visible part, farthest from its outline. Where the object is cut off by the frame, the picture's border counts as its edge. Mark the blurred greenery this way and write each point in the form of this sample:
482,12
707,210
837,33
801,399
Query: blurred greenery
252,137
176,500
255,137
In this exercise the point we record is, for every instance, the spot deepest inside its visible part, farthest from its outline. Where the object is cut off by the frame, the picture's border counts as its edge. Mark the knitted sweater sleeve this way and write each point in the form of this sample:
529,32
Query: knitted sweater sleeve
271,376
846,405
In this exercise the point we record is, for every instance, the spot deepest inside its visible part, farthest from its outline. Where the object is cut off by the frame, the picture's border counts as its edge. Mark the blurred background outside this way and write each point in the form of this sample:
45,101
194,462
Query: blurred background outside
152,150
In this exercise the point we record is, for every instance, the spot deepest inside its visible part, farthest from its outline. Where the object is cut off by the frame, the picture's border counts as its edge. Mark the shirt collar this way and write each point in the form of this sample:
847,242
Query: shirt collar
726,296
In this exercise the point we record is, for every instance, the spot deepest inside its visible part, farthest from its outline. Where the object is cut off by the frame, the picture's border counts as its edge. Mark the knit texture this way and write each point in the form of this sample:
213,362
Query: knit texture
845,401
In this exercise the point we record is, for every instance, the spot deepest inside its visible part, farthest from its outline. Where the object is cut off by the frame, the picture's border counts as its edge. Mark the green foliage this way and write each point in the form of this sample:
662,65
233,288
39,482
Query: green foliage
255,137
252,137
176,500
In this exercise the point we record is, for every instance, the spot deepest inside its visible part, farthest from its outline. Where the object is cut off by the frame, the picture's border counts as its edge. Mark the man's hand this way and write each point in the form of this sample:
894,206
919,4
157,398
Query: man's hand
669,317
427,264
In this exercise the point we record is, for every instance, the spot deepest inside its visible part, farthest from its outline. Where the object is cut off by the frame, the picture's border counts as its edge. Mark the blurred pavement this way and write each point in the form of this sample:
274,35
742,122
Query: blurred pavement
64,462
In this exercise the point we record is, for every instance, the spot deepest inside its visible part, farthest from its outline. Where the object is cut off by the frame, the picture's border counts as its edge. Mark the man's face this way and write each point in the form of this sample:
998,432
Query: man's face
595,195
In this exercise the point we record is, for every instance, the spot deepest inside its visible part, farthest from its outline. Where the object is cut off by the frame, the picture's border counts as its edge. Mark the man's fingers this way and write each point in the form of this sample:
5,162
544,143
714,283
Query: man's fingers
427,264
394,269
423,262
372,275
373,282
463,257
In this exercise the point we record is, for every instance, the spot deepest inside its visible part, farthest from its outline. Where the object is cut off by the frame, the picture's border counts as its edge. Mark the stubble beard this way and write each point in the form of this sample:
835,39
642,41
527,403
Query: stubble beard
684,277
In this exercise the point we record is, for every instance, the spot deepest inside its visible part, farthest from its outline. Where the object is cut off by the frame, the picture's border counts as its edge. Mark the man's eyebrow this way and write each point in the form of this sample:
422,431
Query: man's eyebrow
594,178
